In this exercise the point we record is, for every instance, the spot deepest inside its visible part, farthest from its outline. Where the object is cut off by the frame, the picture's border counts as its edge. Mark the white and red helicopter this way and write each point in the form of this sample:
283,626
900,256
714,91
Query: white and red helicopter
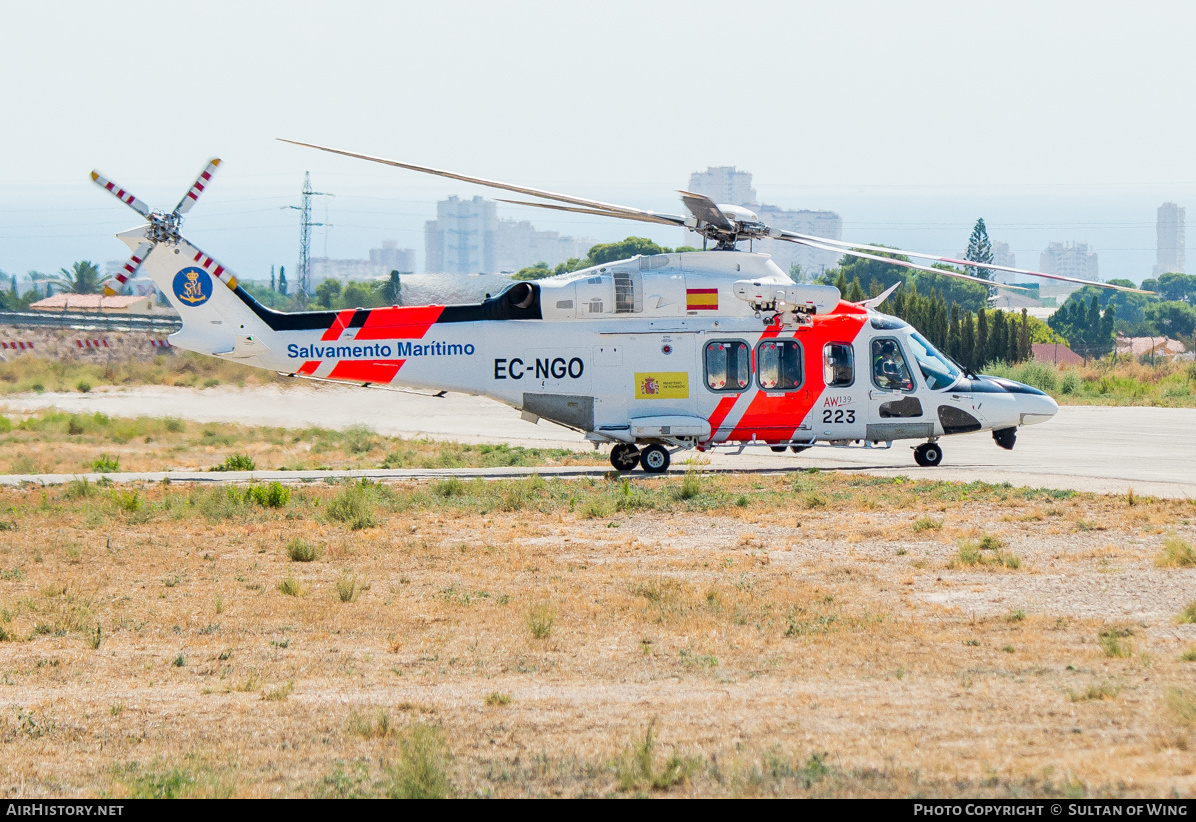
651,355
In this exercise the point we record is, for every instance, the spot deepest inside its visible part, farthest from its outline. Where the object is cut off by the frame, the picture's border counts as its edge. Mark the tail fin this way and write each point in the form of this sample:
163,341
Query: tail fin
216,320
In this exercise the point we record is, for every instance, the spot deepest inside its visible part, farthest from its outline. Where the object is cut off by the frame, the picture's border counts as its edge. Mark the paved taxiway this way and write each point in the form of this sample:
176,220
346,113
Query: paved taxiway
1108,450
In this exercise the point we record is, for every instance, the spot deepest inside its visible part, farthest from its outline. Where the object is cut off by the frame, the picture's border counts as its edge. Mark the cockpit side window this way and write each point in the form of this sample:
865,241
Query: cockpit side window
778,365
728,366
889,368
937,369
838,365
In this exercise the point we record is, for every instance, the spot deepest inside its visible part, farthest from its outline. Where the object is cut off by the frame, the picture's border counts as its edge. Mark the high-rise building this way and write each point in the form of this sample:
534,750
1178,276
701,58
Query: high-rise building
461,238
1170,231
1002,255
726,184
468,238
1069,260
390,258
381,262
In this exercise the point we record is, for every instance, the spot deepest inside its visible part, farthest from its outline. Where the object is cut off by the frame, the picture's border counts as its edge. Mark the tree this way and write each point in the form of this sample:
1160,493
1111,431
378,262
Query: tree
392,291
81,278
534,272
282,280
796,274
1172,318
629,247
980,250
1174,287
273,287
328,294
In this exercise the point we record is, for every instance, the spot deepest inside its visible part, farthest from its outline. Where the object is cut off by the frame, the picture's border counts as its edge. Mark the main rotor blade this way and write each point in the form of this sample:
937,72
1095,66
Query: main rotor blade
120,194
905,264
129,270
965,263
643,218
201,182
481,181
706,210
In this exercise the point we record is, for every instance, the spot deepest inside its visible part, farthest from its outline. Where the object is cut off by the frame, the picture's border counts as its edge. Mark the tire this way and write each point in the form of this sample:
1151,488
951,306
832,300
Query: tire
797,449
654,459
928,454
624,457
777,449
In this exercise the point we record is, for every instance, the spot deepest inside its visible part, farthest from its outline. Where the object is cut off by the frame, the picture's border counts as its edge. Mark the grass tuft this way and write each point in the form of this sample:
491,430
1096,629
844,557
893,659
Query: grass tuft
375,726
636,768
986,552
354,506
1188,615
347,587
497,700
540,618
237,462
422,769
1177,553
290,586
1115,642
300,550
106,464
927,524
1096,692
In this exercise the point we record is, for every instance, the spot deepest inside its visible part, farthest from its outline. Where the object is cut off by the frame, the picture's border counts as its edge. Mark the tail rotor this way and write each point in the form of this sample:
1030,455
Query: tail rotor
163,226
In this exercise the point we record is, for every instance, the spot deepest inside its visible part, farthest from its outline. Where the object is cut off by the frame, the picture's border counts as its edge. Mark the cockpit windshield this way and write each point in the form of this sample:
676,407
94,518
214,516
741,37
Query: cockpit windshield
938,370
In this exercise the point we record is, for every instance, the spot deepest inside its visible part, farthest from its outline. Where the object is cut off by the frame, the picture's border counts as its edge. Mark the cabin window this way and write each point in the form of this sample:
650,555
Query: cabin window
838,365
728,366
778,365
889,369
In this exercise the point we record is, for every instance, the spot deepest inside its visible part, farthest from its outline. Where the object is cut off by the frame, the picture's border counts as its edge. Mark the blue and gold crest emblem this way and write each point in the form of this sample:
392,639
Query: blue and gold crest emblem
193,286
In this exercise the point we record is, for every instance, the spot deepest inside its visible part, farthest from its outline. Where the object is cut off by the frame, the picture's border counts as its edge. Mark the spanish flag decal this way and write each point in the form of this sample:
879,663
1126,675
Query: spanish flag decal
701,299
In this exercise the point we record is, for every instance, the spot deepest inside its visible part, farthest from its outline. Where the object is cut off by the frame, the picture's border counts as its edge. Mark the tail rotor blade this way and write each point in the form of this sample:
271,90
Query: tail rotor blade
201,182
129,270
120,194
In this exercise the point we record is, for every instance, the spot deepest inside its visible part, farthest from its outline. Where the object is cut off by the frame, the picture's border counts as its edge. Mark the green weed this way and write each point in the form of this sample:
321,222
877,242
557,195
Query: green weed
1177,553
539,619
422,769
636,769
300,550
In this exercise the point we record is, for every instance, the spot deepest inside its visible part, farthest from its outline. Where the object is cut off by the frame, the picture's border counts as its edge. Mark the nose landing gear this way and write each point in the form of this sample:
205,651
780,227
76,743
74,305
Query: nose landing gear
928,454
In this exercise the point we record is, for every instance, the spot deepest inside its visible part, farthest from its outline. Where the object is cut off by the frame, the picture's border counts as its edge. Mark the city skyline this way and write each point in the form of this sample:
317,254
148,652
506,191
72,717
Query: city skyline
1082,148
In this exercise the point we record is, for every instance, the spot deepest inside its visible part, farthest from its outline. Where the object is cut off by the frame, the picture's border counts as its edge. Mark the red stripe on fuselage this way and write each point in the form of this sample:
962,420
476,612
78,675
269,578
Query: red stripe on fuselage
776,418
308,367
398,323
338,325
382,371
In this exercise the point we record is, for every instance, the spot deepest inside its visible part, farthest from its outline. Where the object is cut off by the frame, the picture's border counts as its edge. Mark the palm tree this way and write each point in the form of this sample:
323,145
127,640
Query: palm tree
81,278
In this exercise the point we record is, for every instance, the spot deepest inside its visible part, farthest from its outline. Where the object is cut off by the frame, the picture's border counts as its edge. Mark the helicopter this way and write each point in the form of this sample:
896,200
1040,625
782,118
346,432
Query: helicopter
653,355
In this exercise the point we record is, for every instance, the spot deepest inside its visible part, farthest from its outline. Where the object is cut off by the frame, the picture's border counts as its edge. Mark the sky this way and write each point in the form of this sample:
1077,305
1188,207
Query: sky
1053,121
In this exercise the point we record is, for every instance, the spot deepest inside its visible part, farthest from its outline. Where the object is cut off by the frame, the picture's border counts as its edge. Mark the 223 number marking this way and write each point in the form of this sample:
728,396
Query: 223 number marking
838,415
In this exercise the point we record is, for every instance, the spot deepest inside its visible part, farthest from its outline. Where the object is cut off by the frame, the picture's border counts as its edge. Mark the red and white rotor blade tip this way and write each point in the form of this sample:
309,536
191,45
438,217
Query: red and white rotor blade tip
129,269
120,194
201,182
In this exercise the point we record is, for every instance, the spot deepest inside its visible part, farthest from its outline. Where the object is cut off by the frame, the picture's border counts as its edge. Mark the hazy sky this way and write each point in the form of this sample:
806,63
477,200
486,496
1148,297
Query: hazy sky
1064,121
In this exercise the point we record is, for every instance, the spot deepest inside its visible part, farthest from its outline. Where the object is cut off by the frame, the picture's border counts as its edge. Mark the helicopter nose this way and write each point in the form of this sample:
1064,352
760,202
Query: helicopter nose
1035,407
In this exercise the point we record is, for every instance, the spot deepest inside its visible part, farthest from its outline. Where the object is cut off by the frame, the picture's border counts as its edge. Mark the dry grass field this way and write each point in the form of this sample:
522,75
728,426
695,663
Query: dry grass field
810,634
54,442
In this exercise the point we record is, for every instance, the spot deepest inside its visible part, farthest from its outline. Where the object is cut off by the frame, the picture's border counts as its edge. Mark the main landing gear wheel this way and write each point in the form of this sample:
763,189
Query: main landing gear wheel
928,454
624,457
778,449
655,459
797,449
